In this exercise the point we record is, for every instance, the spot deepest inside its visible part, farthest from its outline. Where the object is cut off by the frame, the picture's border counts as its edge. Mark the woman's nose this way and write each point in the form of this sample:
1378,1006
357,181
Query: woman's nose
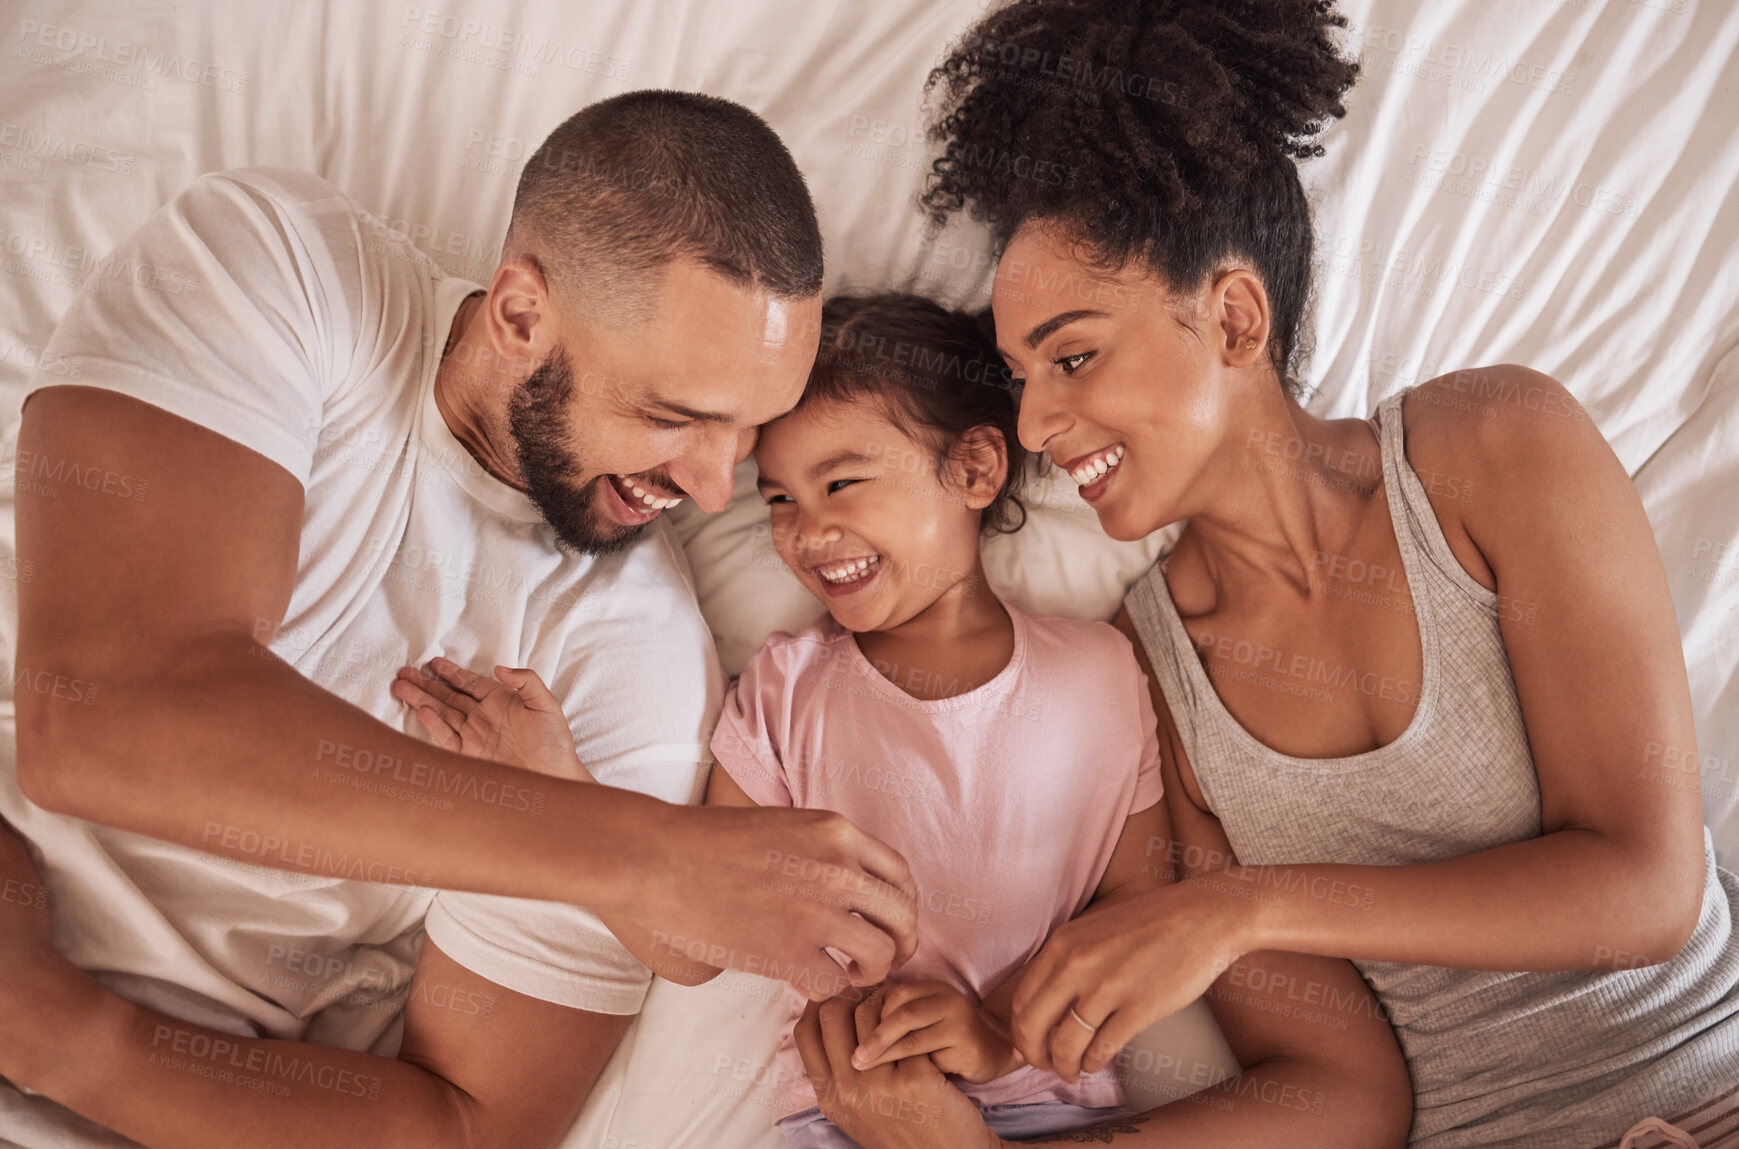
1042,415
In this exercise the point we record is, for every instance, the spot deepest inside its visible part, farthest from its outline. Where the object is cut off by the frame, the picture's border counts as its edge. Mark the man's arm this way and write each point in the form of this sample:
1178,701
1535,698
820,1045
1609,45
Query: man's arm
480,1066
154,613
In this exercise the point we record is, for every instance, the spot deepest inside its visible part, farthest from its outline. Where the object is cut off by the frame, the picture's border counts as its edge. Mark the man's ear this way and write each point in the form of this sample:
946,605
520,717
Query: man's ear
977,466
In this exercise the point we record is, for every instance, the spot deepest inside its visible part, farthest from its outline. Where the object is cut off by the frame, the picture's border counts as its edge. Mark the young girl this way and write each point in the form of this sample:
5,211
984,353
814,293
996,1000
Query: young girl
1011,758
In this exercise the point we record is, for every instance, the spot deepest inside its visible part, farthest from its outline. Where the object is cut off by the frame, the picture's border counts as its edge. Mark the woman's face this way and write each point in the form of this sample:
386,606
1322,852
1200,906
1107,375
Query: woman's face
1128,388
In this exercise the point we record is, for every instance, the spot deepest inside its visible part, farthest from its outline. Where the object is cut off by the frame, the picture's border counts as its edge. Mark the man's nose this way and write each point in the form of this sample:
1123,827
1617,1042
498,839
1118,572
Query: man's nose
704,470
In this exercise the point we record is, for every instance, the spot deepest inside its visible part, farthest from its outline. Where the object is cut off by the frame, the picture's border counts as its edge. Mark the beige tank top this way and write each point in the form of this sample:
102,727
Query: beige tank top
1543,1059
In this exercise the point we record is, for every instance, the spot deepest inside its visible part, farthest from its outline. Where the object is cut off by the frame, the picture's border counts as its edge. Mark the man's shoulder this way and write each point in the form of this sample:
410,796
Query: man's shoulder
283,191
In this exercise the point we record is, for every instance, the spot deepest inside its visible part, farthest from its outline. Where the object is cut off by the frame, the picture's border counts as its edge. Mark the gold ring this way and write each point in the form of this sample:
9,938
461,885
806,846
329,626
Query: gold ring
1090,1027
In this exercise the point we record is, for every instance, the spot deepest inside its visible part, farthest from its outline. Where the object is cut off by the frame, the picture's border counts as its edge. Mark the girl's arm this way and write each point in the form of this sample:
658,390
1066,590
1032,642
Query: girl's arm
1615,879
480,1066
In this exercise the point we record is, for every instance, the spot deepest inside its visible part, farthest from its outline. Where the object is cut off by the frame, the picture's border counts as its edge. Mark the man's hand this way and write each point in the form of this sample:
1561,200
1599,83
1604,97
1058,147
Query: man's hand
769,890
934,1018
511,718
907,1104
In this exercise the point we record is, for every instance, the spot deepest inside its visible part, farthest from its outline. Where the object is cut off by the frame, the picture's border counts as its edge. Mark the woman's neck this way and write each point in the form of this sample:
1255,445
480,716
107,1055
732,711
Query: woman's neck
1285,488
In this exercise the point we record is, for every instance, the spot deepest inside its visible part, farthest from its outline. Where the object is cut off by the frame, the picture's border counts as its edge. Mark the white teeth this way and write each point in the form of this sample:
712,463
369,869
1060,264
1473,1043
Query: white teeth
652,501
1093,468
851,570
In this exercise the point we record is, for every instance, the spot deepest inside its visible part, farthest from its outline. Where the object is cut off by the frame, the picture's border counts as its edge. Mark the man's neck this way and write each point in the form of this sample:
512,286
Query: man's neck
460,393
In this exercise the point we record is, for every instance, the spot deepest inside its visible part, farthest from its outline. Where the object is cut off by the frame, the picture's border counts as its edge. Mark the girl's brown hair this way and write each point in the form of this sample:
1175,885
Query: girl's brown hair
936,374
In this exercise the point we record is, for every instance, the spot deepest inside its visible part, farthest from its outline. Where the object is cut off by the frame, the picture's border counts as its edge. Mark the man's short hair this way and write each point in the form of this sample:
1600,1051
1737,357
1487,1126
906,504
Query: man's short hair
630,184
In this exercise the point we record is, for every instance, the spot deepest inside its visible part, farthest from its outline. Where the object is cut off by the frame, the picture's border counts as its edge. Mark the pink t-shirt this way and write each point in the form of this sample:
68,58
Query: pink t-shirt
1006,800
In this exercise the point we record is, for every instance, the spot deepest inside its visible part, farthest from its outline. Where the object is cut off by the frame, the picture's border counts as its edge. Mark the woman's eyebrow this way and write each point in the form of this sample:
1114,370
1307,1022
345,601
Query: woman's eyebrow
1044,330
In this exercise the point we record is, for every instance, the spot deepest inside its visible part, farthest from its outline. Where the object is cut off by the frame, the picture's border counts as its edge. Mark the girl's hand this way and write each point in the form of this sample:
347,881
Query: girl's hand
932,1017
512,718
907,1104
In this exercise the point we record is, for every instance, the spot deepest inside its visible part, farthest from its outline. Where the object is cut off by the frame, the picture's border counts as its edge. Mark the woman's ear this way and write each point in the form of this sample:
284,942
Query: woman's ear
978,465
1239,303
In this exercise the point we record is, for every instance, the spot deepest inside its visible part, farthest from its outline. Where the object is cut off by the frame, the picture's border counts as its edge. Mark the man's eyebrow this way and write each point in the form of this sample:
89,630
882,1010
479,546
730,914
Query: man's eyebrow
1044,330
690,412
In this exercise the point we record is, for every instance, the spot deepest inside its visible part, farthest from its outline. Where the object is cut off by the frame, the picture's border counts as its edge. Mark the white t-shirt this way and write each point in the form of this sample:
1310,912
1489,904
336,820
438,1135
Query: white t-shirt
266,306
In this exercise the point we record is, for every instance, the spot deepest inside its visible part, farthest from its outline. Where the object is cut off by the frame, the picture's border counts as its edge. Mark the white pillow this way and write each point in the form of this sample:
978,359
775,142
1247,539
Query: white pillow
1058,563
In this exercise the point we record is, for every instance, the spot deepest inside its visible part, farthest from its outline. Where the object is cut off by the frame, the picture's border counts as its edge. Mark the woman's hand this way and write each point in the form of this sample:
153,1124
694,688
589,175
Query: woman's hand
1123,967
906,1104
934,1018
512,718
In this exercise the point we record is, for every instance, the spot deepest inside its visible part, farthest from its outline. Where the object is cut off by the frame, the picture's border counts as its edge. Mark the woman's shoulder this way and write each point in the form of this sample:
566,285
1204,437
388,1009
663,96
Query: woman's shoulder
1480,438
1488,415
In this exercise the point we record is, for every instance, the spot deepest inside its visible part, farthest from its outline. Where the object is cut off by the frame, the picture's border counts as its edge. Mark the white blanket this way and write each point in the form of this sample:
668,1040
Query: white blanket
1550,182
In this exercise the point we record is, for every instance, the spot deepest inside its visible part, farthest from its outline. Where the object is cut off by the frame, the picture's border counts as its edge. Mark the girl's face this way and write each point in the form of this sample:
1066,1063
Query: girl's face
1130,390
861,516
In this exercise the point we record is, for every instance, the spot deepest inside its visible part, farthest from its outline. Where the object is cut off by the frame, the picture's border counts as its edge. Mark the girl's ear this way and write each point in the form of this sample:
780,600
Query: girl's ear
977,466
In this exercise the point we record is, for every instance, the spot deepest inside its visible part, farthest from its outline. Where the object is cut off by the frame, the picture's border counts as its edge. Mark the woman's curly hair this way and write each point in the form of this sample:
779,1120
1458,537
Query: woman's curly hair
1162,131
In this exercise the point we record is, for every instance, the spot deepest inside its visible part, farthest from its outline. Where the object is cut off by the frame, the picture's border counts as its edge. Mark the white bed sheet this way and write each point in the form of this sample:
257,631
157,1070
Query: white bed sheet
1540,181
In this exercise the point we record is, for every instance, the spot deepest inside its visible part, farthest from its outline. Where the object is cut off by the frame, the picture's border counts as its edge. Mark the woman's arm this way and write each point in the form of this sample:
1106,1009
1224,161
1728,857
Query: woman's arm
1139,863
1615,879
1322,1068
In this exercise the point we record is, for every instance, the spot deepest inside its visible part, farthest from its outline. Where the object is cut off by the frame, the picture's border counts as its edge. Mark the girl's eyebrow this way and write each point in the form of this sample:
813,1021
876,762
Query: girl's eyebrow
837,459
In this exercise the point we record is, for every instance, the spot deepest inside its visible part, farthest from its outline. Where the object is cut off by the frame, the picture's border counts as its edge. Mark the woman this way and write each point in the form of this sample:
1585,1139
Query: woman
1418,679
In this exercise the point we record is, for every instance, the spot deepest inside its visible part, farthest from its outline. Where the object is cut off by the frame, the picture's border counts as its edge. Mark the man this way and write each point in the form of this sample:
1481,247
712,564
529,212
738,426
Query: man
329,460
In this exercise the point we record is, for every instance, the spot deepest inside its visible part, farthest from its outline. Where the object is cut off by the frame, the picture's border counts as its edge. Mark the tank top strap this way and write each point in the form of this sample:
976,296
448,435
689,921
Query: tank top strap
1417,530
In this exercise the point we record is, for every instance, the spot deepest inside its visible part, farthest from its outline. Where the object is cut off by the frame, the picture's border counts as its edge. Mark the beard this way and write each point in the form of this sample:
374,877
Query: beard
543,431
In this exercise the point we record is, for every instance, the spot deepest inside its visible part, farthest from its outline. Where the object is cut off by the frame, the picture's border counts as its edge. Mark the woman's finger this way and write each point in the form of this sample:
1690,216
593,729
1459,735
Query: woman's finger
1070,1038
1040,1002
1118,1031
838,1034
868,1012
869,950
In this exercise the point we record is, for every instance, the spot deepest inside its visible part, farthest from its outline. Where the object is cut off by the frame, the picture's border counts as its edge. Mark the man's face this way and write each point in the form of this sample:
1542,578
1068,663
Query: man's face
618,420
